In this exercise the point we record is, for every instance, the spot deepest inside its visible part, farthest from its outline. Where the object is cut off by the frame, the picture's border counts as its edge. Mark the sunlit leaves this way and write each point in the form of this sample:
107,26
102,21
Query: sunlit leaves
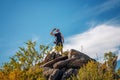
20,66
98,71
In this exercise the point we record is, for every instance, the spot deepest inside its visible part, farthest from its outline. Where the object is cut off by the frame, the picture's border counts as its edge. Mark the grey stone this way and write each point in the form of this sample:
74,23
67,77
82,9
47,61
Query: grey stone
52,62
59,67
47,71
77,54
69,73
62,64
55,75
51,56
77,63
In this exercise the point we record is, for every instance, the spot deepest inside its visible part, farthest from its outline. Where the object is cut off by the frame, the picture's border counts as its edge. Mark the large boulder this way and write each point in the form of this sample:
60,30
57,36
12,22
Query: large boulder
51,56
52,62
74,53
55,75
81,59
47,71
76,63
69,73
63,63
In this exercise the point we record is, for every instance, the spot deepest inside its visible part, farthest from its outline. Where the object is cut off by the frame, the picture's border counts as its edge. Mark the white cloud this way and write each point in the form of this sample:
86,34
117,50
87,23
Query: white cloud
108,5
98,40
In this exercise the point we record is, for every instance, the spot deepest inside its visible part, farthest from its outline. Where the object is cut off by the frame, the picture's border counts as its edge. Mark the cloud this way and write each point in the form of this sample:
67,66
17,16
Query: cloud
108,5
96,41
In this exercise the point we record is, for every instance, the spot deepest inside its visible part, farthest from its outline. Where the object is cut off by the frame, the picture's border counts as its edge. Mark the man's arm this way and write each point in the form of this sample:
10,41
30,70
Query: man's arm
51,33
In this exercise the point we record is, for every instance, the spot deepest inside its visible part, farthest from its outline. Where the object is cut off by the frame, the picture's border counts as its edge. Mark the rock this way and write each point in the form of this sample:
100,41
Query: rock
77,63
69,73
57,55
47,71
51,63
77,54
62,64
116,76
55,75
51,56
63,70
59,67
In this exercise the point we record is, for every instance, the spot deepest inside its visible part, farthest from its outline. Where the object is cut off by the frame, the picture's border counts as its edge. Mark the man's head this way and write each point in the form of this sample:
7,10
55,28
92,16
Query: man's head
57,30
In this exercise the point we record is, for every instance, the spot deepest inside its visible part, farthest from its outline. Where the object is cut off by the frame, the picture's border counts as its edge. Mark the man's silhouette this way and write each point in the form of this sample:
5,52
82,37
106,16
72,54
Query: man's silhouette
59,40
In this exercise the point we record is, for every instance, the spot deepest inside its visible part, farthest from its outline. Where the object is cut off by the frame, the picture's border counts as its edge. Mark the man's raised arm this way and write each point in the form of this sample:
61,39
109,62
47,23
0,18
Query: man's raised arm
51,33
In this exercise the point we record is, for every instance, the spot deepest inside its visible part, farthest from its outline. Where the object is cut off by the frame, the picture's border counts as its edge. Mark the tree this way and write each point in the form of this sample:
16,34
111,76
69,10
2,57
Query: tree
21,63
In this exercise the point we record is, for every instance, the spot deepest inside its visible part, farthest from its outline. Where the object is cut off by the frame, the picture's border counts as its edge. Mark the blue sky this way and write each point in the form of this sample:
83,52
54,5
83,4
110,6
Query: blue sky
23,20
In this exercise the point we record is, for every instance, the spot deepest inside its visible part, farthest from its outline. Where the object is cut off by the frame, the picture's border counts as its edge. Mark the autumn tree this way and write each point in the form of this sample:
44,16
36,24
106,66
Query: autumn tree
26,58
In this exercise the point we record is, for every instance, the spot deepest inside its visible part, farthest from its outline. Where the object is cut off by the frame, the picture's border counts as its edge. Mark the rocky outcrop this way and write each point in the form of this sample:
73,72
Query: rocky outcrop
55,75
68,73
74,53
63,63
47,71
59,67
51,63
51,56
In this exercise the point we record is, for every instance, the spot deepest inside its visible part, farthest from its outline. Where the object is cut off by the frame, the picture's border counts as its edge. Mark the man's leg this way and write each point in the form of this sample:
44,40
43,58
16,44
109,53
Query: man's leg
57,49
61,48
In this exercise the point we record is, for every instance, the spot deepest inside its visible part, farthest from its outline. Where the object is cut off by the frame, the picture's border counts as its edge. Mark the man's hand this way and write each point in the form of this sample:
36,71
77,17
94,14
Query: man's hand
52,32
54,29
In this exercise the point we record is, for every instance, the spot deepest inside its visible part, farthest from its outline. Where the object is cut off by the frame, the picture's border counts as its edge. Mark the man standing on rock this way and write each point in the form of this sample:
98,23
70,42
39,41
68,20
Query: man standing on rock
59,40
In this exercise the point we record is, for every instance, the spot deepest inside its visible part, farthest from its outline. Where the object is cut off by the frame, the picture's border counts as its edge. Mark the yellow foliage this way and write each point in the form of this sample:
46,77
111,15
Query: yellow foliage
93,71
65,53
3,76
24,65
35,73
97,71
15,74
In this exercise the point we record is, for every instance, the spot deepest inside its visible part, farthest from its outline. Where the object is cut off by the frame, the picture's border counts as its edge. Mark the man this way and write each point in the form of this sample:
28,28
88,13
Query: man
59,40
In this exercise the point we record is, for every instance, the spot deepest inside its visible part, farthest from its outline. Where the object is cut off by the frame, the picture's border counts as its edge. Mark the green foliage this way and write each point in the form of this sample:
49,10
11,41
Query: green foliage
21,64
111,61
45,50
109,55
118,71
25,65
35,73
97,71
65,53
